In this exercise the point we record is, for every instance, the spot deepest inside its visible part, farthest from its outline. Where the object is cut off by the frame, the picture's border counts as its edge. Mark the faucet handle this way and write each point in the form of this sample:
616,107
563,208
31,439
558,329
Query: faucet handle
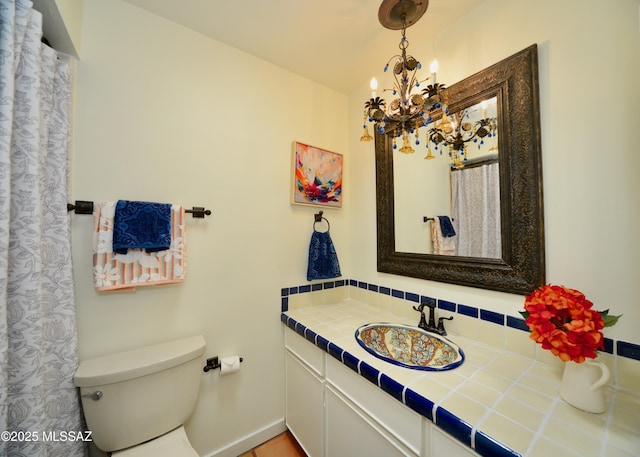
420,308
441,329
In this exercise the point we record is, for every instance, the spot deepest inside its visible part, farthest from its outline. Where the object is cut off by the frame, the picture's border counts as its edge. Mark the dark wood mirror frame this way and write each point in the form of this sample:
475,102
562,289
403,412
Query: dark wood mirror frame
514,81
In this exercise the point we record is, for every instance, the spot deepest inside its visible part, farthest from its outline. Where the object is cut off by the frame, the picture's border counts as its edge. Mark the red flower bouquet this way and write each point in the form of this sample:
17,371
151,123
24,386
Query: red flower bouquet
562,320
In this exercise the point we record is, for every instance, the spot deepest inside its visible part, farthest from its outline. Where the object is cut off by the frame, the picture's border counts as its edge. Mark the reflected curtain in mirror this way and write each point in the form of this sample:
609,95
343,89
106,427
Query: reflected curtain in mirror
475,207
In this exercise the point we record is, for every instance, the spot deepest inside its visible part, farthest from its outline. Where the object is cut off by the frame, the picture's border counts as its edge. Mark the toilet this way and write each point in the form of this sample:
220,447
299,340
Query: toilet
136,402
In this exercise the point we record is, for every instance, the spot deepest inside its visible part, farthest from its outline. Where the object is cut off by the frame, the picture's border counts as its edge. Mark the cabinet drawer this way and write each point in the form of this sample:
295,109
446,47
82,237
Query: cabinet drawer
305,351
401,421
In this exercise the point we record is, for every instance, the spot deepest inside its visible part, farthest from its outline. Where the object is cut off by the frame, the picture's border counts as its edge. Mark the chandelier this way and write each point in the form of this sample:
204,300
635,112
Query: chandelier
411,106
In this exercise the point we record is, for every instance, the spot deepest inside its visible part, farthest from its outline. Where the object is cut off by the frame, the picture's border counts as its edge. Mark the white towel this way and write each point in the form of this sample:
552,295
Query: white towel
113,271
443,245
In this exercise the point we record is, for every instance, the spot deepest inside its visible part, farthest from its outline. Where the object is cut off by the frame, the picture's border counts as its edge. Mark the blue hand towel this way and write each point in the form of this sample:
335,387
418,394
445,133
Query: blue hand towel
143,225
446,227
323,260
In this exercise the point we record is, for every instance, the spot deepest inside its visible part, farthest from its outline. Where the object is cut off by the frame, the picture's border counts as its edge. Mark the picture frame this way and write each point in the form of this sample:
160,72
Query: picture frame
317,176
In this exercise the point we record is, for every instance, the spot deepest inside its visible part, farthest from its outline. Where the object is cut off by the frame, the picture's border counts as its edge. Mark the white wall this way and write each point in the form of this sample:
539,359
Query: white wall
165,114
589,68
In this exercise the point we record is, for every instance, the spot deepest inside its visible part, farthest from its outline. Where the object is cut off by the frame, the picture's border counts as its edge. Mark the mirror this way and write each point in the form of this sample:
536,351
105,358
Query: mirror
452,184
520,266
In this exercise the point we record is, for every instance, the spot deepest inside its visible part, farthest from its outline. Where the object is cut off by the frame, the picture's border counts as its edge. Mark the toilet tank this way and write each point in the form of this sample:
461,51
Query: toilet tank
133,396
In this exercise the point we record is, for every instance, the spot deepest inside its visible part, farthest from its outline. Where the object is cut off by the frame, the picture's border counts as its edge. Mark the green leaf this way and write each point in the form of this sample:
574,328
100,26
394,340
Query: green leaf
609,320
524,314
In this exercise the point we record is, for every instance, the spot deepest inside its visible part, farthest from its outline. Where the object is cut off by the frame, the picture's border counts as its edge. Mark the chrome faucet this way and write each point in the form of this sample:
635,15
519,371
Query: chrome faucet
430,326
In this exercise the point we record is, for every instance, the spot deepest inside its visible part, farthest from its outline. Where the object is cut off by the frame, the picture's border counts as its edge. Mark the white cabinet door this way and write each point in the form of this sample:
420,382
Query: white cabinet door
304,406
350,433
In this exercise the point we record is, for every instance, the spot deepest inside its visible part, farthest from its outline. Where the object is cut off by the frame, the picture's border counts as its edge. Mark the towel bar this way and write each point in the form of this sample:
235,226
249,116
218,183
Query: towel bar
427,219
86,207
198,211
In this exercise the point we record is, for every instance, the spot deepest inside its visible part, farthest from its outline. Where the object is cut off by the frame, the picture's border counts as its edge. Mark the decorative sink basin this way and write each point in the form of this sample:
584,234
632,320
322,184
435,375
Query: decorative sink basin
409,347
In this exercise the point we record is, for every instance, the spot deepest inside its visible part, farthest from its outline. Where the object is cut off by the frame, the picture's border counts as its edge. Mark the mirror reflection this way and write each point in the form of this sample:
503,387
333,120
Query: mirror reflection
447,202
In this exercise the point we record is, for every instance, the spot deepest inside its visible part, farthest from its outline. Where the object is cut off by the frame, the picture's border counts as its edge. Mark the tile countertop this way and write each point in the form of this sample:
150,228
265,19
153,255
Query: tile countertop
506,403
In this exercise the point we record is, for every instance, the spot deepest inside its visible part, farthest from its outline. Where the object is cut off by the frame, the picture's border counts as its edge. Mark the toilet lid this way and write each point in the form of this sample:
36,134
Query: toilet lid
172,444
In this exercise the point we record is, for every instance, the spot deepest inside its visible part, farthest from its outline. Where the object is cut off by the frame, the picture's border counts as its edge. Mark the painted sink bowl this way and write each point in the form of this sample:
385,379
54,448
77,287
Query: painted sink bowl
409,347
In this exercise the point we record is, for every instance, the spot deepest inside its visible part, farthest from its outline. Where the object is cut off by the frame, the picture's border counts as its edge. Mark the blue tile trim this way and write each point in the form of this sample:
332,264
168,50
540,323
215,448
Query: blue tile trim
304,289
419,404
608,345
491,316
453,425
310,335
397,293
373,288
629,350
315,287
369,373
412,297
322,343
391,386
284,301
517,323
384,290
284,292
468,310
487,446
335,351
447,305
350,360
328,285
362,285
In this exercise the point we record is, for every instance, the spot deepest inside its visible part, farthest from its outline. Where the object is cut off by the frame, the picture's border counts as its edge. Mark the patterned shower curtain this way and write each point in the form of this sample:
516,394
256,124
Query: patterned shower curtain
38,343
475,208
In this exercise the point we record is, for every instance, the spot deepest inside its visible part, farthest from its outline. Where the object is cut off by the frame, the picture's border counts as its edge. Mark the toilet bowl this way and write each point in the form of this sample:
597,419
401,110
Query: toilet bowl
136,402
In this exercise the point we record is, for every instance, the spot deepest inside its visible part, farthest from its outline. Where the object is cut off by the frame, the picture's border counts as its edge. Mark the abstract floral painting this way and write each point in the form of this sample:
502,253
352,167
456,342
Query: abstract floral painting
317,176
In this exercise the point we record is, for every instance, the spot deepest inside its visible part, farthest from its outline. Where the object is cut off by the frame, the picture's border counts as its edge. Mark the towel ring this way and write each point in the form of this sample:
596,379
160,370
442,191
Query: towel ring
319,218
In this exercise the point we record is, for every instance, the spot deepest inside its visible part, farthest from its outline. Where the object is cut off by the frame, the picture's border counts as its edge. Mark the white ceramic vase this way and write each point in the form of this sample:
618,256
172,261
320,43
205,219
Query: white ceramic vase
582,385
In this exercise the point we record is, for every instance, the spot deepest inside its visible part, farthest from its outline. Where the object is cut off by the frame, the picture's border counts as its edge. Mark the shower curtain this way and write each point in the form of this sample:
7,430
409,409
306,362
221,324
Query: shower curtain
475,208
38,343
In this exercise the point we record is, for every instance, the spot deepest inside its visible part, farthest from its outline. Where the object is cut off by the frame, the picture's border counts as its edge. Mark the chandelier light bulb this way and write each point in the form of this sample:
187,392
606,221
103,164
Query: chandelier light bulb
433,68
373,85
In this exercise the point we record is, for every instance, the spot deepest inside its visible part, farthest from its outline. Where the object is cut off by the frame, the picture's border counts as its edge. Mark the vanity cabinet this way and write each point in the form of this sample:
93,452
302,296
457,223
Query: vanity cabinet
333,411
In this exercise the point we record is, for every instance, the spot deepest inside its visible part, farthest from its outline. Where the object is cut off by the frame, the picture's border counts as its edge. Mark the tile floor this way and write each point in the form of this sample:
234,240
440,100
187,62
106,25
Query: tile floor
283,445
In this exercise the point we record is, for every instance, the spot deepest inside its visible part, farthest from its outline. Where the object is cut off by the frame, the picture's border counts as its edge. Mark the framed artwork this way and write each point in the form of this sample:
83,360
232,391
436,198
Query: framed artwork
317,176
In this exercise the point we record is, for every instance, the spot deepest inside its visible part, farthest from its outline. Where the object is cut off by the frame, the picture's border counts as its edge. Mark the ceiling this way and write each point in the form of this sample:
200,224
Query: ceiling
337,43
